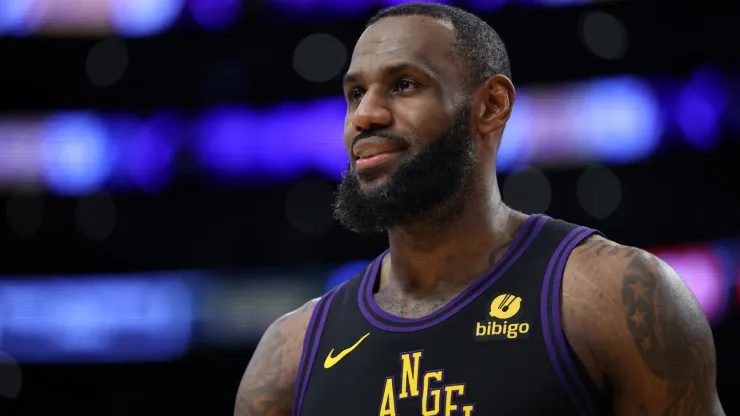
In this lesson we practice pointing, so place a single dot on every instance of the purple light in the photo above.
(320, 132)
(610, 120)
(389, 3)
(216, 14)
(702, 271)
(281, 143)
(486, 6)
(313, 9)
(514, 151)
(225, 137)
(699, 108)
(558, 3)
(285, 147)
(150, 152)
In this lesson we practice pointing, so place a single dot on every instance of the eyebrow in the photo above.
(428, 68)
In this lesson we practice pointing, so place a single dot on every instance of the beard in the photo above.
(430, 188)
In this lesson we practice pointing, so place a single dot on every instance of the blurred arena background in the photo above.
(167, 169)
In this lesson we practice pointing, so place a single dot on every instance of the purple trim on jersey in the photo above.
(297, 393)
(374, 276)
(558, 328)
(477, 288)
(315, 346)
(585, 405)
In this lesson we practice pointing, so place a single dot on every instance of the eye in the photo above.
(355, 94)
(405, 85)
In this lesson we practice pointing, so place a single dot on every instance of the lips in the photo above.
(370, 151)
(374, 146)
(374, 152)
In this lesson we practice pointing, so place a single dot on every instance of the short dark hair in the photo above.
(477, 45)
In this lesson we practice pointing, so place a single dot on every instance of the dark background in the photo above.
(250, 244)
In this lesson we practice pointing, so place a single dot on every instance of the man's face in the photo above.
(407, 128)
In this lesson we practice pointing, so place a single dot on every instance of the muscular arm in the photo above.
(266, 388)
(645, 334)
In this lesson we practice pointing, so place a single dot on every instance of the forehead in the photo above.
(417, 39)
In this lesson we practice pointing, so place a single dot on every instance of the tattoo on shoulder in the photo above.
(676, 347)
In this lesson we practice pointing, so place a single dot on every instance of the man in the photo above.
(475, 309)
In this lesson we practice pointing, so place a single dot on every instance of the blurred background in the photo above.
(167, 169)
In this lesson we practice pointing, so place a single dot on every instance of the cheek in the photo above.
(349, 134)
(426, 122)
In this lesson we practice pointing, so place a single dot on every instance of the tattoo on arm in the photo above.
(268, 383)
(675, 344)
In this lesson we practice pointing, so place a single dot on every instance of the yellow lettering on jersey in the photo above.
(456, 389)
(430, 393)
(410, 374)
(388, 405)
(433, 401)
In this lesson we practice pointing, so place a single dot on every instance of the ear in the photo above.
(493, 102)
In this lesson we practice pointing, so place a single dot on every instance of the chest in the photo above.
(445, 372)
(411, 308)
(488, 358)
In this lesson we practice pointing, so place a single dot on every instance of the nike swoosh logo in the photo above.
(331, 361)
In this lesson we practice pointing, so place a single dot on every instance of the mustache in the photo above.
(366, 134)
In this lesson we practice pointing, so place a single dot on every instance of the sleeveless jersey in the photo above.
(498, 348)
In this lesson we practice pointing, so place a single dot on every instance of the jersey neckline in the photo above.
(388, 322)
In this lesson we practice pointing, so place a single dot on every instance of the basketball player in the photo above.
(475, 309)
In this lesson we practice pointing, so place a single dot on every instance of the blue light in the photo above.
(700, 106)
(486, 6)
(227, 137)
(14, 17)
(76, 153)
(388, 3)
(149, 152)
(281, 142)
(216, 14)
(145, 17)
(318, 133)
(563, 2)
(610, 120)
(617, 118)
(130, 318)
(513, 150)
(311, 9)
(344, 272)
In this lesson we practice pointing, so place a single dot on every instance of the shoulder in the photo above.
(629, 316)
(295, 322)
(267, 384)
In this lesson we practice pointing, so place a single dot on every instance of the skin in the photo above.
(629, 317)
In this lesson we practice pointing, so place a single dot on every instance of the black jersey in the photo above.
(498, 348)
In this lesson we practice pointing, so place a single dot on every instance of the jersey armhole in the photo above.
(311, 341)
(571, 372)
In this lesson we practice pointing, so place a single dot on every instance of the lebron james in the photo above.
(475, 309)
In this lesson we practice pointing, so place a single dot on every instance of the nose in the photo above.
(371, 113)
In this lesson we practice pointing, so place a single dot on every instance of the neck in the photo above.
(423, 257)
